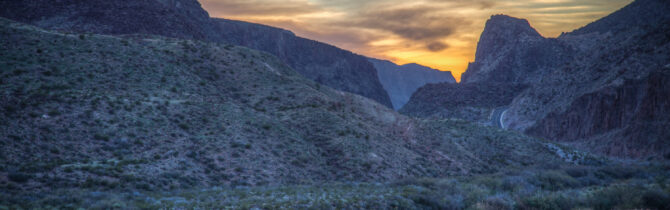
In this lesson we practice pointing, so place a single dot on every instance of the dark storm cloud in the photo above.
(437, 46)
(418, 24)
(357, 4)
(258, 7)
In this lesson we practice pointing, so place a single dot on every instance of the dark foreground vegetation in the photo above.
(623, 186)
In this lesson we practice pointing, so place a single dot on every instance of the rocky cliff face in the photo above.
(590, 87)
(186, 19)
(326, 64)
(602, 97)
(627, 119)
(511, 51)
(400, 82)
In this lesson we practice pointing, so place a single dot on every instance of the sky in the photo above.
(441, 34)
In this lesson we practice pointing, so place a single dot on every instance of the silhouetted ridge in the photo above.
(326, 64)
(401, 81)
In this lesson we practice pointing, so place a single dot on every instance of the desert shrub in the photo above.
(613, 172)
(492, 183)
(434, 201)
(554, 180)
(590, 180)
(617, 197)
(184, 126)
(656, 199)
(498, 201)
(547, 202)
(577, 172)
(517, 185)
(19, 177)
(100, 136)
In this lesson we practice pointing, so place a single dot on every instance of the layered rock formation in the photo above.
(186, 19)
(511, 51)
(401, 81)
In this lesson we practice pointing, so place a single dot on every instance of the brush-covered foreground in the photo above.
(620, 186)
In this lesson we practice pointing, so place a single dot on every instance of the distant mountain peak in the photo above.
(400, 82)
(503, 49)
(502, 32)
(509, 26)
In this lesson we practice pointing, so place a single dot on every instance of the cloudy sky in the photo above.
(442, 34)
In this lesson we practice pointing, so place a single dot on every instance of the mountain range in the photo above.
(155, 105)
(601, 87)
(155, 113)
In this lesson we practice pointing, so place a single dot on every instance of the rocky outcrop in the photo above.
(626, 119)
(511, 51)
(326, 64)
(401, 81)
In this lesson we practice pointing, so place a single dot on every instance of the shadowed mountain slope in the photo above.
(186, 19)
(320, 62)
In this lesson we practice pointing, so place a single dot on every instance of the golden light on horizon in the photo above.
(441, 34)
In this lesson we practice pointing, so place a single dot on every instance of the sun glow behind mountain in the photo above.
(442, 34)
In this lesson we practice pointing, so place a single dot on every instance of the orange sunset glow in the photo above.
(441, 34)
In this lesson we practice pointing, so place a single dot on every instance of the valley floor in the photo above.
(622, 186)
